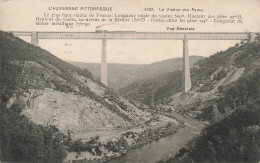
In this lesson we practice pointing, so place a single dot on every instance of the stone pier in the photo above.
(252, 37)
(104, 63)
(186, 80)
(34, 39)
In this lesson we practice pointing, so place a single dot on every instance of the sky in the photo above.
(19, 15)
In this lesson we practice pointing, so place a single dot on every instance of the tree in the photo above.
(22, 140)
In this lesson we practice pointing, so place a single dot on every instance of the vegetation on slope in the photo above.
(12, 76)
(238, 57)
(23, 141)
(234, 132)
(236, 138)
(150, 91)
(237, 94)
(40, 69)
(24, 66)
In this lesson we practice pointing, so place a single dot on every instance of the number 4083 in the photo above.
(148, 9)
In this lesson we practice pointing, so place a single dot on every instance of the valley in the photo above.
(54, 111)
(87, 120)
(121, 75)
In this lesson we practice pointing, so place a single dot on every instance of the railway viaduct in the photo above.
(131, 35)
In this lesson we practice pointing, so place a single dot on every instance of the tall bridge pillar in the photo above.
(104, 63)
(34, 39)
(252, 37)
(186, 80)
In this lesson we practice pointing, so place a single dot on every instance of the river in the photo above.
(164, 147)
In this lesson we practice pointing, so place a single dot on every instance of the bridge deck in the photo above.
(138, 35)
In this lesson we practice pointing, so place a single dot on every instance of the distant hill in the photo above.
(120, 75)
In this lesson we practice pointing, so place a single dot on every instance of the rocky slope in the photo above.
(234, 132)
(65, 111)
(120, 75)
(209, 76)
(233, 135)
(57, 93)
(225, 93)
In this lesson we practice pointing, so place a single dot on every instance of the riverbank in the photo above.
(161, 138)
(163, 148)
(106, 149)
(146, 140)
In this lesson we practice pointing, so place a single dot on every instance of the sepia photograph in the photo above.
(169, 81)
